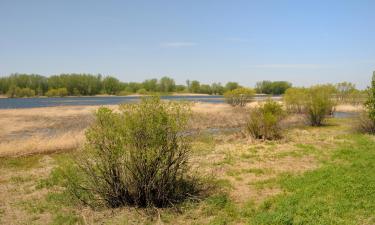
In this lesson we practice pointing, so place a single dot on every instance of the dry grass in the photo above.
(248, 171)
(51, 129)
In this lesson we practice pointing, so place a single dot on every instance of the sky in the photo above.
(304, 42)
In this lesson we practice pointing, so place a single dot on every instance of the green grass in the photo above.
(20, 163)
(340, 192)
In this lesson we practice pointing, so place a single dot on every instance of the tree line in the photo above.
(28, 85)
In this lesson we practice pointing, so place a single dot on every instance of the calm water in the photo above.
(17, 103)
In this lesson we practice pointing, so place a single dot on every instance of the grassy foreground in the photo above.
(320, 175)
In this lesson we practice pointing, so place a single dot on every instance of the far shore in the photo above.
(130, 95)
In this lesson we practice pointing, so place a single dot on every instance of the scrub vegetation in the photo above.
(165, 162)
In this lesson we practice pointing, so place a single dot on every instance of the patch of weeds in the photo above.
(256, 171)
(228, 159)
(223, 183)
(233, 172)
(264, 183)
(20, 163)
(67, 218)
(20, 179)
(203, 144)
(58, 174)
(222, 208)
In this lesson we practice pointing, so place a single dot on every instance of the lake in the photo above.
(18, 103)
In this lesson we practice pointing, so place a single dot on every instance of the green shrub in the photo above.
(366, 121)
(60, 92)
(365, 124)
(239, 96)
(123, 93)
(16, 92)
(370, 103)
(264, 121)
(295, 100)
(142, 91)
(319, 103)
(136, 157)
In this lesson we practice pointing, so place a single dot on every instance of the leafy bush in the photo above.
(137, 156)
(16, 92)
(60, 92)
(295, 99)
(142, 91)
(239, 96)
(264, 121)
(319, 103)
(366, 122)
(370, 103)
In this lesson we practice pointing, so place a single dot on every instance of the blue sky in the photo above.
(304, 42)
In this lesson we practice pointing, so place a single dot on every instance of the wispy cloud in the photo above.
(237, 39)
(290, 66)
(178, 44)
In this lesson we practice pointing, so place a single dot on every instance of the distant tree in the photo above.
(181, 88)
(150, 85)
(194, 86)
(205, 89)
(166, 84)
(217, 89)
(272, 87)
(188, 85)
(111, 85)
(344, 91)
(231, 86)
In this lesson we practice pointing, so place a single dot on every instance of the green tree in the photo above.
(150, 85)
(231, 86)
(111, 85)
(194, 86)
(166, 84)
(217, 89)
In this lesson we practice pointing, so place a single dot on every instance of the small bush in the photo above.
(319, 104)
(239, 96)
(264, 121)
(295, 100)
(136, 157)
(142, 91)
(365, 124)
(60, 92)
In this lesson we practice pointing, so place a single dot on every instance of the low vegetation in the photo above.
(239, 96)
(136, 157)
(264, 121)
(295, 100)
(319, 104)
(316, 102)
(366, 122)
